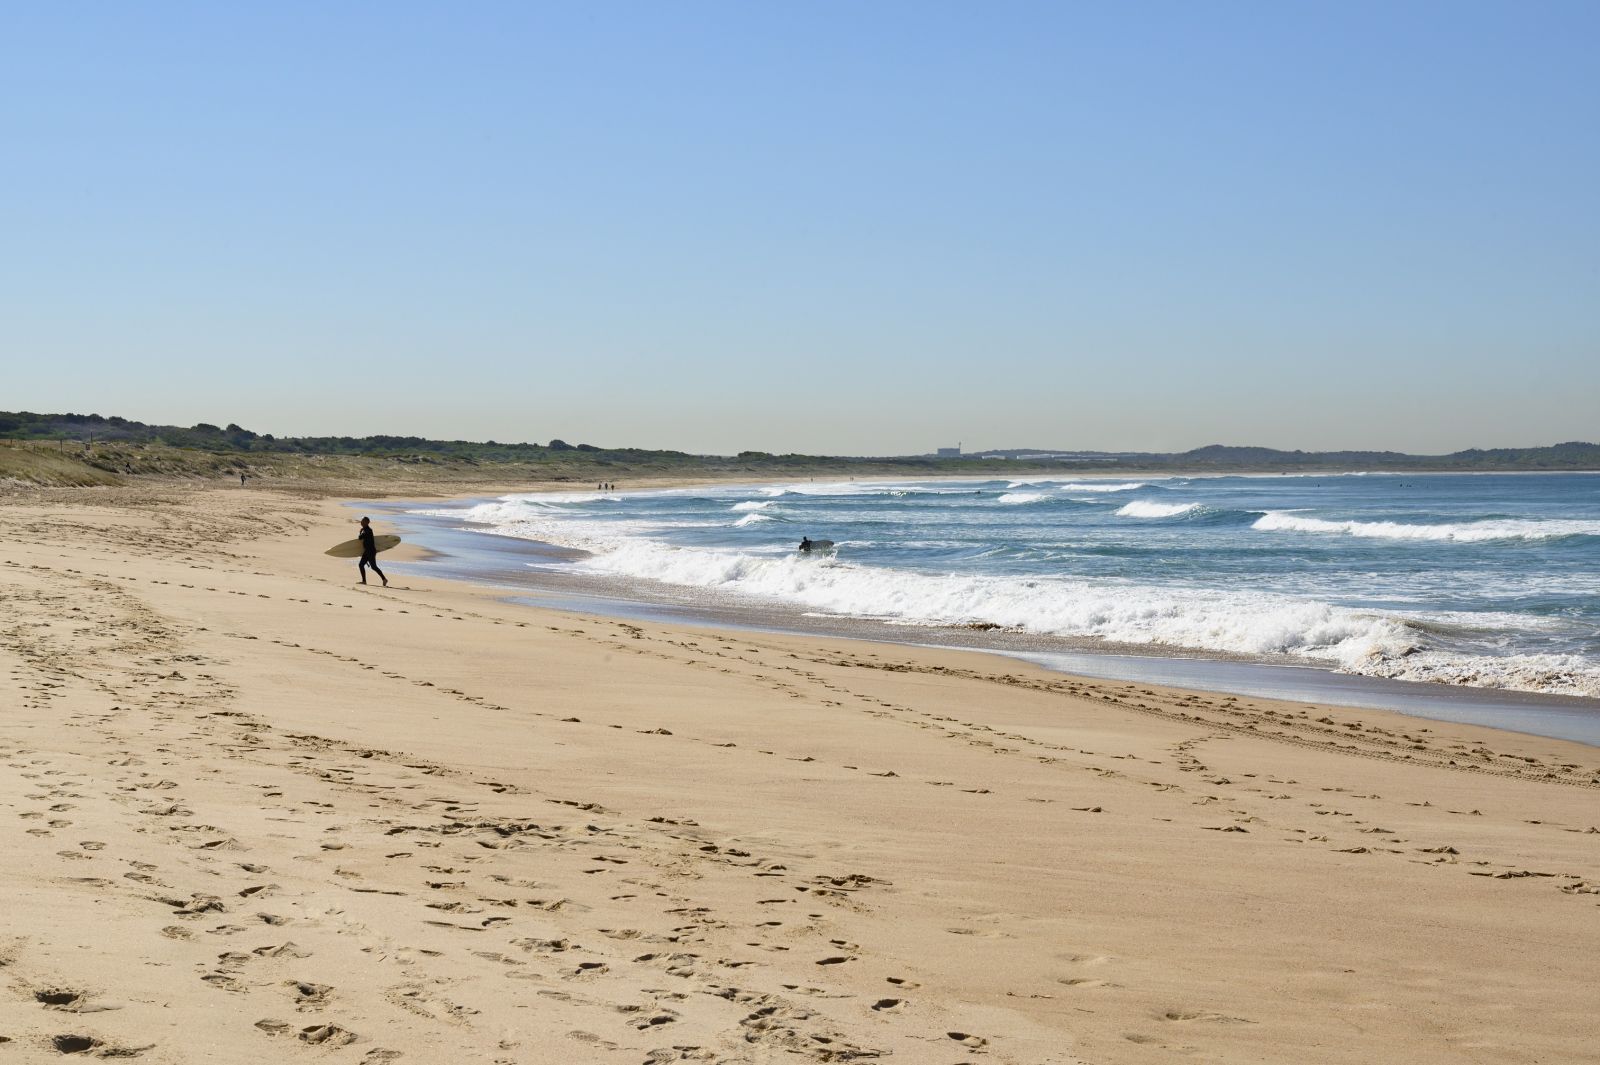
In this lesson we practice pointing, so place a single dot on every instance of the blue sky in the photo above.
(825, 227)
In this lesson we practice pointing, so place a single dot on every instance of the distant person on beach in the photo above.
(241, 480)
(369, 553)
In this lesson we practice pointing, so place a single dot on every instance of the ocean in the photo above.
(1461, 597)
(1488, 581)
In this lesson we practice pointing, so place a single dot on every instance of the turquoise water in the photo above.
(1483, 580)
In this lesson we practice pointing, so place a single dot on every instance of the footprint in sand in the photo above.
(327, 1035)
(58, 998)
(308, 994)
(223, 980)
(1084, 959)
(1203, 1015)
(86, 1044)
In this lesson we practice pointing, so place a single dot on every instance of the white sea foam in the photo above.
(1465, 531)
(1552, 674)
(847, 488)
(1140, 508)
(752, 504)
(518, 507)
(1243, 622)
(1105, 486)
(1236, 622)
(1020, 497)
(501, 512)
(1428, 646)
(1239, 622)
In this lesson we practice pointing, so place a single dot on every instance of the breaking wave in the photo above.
(1239, 622)
(1102, 486)
(1140, 508)
(1223, 579)
(1466, 531)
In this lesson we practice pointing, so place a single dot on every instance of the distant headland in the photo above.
(88, 449)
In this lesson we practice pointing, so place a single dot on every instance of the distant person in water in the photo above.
(805, 543)
(369, 553)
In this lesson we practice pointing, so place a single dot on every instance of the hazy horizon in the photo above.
(838, 230)
(965, 449)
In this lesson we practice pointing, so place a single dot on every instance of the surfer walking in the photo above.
(369, 553)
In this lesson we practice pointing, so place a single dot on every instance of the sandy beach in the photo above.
(255, 811)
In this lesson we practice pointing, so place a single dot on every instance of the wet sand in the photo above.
(256, 811)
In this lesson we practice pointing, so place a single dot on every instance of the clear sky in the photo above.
(857, 227)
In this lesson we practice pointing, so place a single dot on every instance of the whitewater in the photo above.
(1490, 581)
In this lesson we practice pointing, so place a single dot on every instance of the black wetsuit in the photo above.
(369, 556)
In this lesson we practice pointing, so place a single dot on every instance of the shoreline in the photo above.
(255, 806)
(1558, 716)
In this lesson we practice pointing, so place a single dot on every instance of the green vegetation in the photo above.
(86, 449)
(48, 467)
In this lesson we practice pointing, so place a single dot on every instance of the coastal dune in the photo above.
(258, 812)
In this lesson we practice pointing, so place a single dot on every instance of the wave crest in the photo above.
(1141, 508)
(1102, 486)
(1464, 532)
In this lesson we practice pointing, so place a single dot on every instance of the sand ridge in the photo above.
(257, 811)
